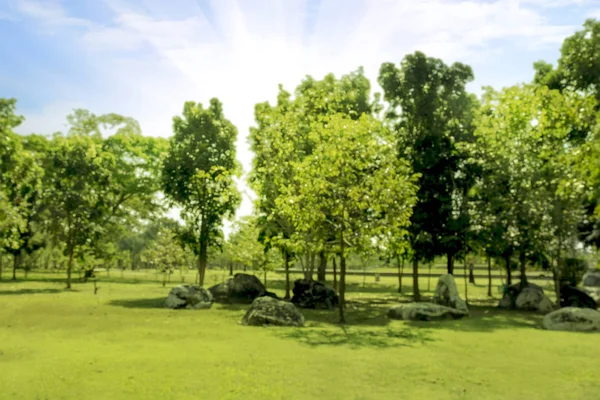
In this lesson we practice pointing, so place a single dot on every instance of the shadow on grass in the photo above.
(31, 291)
(486, 319)
(343, 335)
(157, 302)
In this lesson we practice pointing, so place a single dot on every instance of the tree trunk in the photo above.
(70, 268)
(322, 267)
(15, 266)
(489, 260)
(465, 279)
(429, 277)
(265, 277)
(287, 276)
(508, 270)
(450, 266)
(342, 291)
(202, 254)
(522, 264)
(472, 273)
(416, 293)
(230, 268)
(311, 268)
(557, 270)
(400, 271)
(335, 284)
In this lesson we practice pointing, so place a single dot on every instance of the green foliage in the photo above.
(197, 173)
(353, 182)
(78, 184)
(580, 58)
(432, 112)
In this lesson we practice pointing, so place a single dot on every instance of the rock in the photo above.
(312, 294)
(511, 293)
(269, 311)
(424, 312)
(593, 292)
(592, 278)
(446, 294)
(533, 300)
(572, 297)
(241, 289)
(188, 296)
(573, 319)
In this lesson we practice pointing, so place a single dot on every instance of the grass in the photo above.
(122, 344)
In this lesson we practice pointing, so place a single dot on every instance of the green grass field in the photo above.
(121, 344)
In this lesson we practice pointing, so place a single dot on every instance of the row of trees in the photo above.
(439, 172)
(429, 171)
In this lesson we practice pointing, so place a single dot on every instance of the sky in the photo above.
(145, 58)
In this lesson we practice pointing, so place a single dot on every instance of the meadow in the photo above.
(122, 344)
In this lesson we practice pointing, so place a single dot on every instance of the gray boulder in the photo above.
(509, 299)
(190, 297)
(269, 311)
(241, 289)
(592, 278)
(532, 299)
(573, 319)
(424, 312)
(446, 294)
(313, 294)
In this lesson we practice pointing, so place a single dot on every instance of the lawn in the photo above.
(121, 344)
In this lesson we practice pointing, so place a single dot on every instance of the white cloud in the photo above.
(152, 63)
(594, 14)
(555, 3)
(50, 15)
(52, 118)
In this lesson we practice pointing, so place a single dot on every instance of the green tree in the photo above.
(352, 181)
(531, 194)
(282, 138)
(198, 172)
(432, 112)
(77, 190)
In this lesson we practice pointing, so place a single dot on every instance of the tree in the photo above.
(77, 189)
(248, 250)
(282, 138)
(198, 172)
(20, 190)
(165, 253)
(431, 112)
(353, 182)
(530, 191)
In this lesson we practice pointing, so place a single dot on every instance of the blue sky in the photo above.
(144, 58)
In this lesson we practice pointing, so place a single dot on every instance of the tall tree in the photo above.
(353, 182)
(282, 138)
(77, 189)
(431, 111)
(198, 172)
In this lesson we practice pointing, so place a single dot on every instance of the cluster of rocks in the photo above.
(577, 313)
(265, 308)
(313, 294)
(446, 304)
(241, 289)
(528, 297)
(190, 297)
